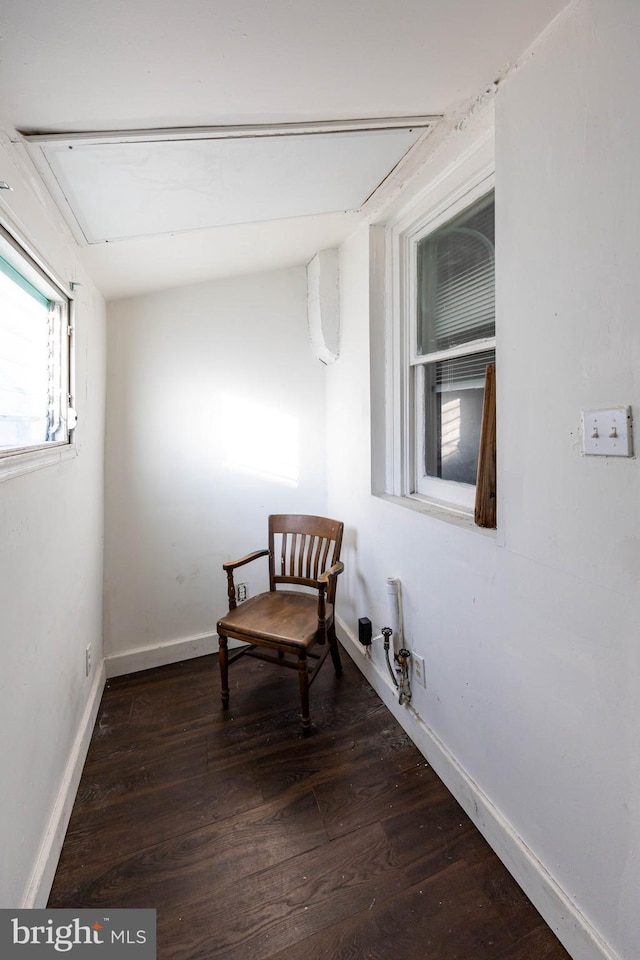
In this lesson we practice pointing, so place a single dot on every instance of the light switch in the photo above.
(607, 433)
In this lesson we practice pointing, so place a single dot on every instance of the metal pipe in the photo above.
(386, 633)
(404, 684)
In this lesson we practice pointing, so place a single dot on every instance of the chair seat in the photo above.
(281, 617)
(304, 555)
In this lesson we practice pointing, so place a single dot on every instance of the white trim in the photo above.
(37, 891)
(15, 465)
(398, 408)
(18, 239)
(38, 888)
(557, 908)
(36, 146)
(160, 654)
(451, 353)
(441, 510)
(442, 202)
(233, 132)
(24, 258)
(465, 178)
(381, 438)
(452, 493)
(451, 161)
(464, 195)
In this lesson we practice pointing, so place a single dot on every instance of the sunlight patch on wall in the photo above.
(260, 440)
(451, 419)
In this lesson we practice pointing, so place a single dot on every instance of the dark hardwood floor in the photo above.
(253, 843)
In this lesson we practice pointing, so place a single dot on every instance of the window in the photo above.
(453, 342)
(432, 333)
(35, 391)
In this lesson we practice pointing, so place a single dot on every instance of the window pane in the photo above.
(456, 298)
(454, 392)
(32, 395)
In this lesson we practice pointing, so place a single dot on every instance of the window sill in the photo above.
(21, 463)
(457, 516)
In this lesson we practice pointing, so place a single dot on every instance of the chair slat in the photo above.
(315, 553)
(301, 548)
(300, 555)
(322, 555)
(325, 553)
(311, 542)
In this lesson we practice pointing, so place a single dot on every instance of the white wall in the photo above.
(531, 638)
(199, 378)
(51, 529)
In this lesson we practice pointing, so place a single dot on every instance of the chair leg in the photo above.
(223, 655)
(303, 676)
(335, 650)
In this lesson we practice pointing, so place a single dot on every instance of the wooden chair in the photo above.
(303, 551)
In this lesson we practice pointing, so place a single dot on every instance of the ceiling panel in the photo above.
(87, 65)
(120, 190)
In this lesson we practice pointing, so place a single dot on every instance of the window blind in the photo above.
(462, 373)
(456, 281)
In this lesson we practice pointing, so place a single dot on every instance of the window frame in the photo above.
(15, 461)
(463, 494)
(456, 189)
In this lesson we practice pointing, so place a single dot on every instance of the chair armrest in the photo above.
(332, 572)
(232, 564)
(324, 582)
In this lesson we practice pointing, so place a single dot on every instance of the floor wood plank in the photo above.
(275, 909)
(255, 844)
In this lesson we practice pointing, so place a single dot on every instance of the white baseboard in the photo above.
(37, 891)
(571, 927)
(562, 915)
(160, 654)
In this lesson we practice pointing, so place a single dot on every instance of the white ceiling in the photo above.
(100, 65)
(120, 188)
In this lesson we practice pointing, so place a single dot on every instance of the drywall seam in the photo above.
(571, 927)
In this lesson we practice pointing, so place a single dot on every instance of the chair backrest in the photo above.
(302, 547)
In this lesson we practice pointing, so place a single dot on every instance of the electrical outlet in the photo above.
(241, 592)
(87, 661)
(418, 669)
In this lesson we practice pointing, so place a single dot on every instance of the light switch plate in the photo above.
(607, 433)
